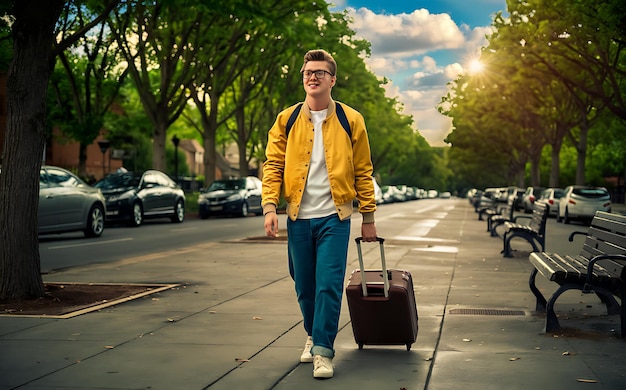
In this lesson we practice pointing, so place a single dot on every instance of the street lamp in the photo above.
(104, 145)
(176, 141)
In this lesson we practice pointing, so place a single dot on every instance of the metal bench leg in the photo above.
(612, 307)
(541, 300)
(493, 231)
(506, 252)
(552, 323)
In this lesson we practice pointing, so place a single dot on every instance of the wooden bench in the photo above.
(504, 214)
(600, 268)
(534, 232)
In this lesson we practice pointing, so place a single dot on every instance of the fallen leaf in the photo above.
(212, 312)
(257, 318)
(586, 380)
(467, 340)
(171, 320)
(566, 353)
(514, 359)
(241, 360)
(109, 347)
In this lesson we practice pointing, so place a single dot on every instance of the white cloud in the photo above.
(406, 34)
(411, 51)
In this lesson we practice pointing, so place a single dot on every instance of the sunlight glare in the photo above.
(475, 66)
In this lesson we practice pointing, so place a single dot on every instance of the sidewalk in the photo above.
(234, 323)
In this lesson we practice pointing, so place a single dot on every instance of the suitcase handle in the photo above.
(382, 259)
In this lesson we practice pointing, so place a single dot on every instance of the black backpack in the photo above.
(341, 114)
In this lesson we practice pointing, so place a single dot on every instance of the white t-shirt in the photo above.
(317, 201)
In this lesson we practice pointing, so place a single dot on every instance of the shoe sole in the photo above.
(323, 375)
(306, 359)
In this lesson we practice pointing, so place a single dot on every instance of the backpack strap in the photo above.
(341, 115)
(292, 119)
(343, 119)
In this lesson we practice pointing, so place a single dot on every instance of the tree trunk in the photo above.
(582, 154)
(535, 171)
(555, 169)
(27, 82)
(158, 145)
(210, 129)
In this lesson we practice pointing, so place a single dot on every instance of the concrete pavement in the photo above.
(233, 323)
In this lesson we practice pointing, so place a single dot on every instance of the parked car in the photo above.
(582, 202)
(516, 198)
(231, 197)
(529, 198)
(133, 196)
(68, 204)
(550, 197)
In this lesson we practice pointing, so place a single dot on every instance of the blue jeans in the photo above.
(318, 249)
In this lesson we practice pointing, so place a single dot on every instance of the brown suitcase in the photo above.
(382, 310)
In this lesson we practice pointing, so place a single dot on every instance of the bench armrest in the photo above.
(587, 287)
(571, 236)
(521, 217)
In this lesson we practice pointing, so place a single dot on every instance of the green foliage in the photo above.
(551, 73)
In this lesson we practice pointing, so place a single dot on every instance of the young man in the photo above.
(322, 167)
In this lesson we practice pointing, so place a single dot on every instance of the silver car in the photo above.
(582, 202)
(68, 204)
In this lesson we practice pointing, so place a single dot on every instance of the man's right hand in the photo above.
(271, 224)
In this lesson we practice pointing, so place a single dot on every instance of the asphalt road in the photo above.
(69, 250)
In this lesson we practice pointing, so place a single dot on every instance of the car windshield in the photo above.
(591, 192)
(119, 180)
(227, 185)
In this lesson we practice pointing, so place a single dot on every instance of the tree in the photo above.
(88, 82)
(34, 49)
(160, 42)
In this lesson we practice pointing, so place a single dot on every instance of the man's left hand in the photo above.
(368, 232)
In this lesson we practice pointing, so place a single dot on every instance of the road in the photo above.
(413, 218)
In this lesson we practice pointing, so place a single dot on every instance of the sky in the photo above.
(421, 46)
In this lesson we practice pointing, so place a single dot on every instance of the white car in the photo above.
(582, 202)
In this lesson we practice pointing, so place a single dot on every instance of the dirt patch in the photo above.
(63, 299)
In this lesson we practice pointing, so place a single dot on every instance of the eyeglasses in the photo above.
(319, 74)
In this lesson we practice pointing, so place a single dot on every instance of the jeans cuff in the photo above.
(322, 351)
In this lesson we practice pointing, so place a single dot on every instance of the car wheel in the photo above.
(95, 222)
(244, 210)
(179, 212)
(137, 216)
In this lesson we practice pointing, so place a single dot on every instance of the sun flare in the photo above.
(475, 67)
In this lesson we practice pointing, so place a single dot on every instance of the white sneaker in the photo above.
(306, 356)
(322, 367)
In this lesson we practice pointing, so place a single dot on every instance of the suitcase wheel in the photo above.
(408, 346)
(360, 345)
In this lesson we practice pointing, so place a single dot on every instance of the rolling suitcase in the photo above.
(382, 309)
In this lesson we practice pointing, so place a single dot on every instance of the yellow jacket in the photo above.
(348, 161)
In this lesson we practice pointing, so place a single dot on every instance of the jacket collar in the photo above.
(331, 109)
